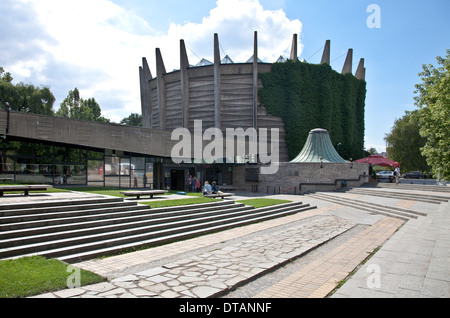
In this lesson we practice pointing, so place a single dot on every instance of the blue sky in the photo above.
(97, 45)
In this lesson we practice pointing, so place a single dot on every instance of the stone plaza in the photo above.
(303, 255)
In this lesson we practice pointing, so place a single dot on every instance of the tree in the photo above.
(76, 107)
(433, 102)
(25, 97)
(404, 144)
(5, 76)
(132, 120)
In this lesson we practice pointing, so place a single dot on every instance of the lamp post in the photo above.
(7, 117)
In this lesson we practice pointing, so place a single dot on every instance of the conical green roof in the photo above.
(318, 148)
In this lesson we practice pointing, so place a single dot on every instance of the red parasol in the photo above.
(378, 160)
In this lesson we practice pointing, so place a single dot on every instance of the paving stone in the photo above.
(127, 295)
(205, 291)
(141, 292)
(145, 283)
(188, 294)
(171, 265)
(113, 292)
(158, 288)
(191, 274)
(235, 281)
(170, 294)
(173, 283)
(217, 284)
(102, 287)
(128, 278)
(47, 295)
(188, 279)
(153, 271)
(208, 267)
(67, 293)
(159, 279)
(126, 285)
(179, 288)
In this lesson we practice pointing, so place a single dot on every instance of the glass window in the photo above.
(138, 163)
(125, 166)
(95, 170)
(112, 166)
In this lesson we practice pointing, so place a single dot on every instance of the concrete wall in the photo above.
(199, 96)
(87, 133)
(303, 177)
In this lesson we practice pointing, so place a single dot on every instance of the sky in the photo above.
(98, 45)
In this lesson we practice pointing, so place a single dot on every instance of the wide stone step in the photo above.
(83, 221)
(117, 228)
(395, 212)
(115, 236)
(436, 199)
(118, 231)
(83, 211)
(45, 234)
(53, 205)
(184, 233)
(407, 186)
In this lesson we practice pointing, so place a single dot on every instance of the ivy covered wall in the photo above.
(308, 96)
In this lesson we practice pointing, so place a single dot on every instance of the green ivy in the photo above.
(308, 96)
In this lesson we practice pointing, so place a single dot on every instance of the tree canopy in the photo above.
(132, 120)
(433, 115)
(76, 107)
(25, 97)
(404, 144)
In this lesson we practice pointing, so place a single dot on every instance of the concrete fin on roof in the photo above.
(318, 148)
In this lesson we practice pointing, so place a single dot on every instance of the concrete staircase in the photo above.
(409, 186)
(398, 194)
(395, 212)
(77, 230)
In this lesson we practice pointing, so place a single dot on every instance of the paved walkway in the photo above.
(319, 278)
(413, 260)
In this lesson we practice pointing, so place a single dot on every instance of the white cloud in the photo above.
(235, 22)
(97, 46)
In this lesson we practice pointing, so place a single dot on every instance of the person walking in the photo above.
(198, 185)
(397, 175)
(194, 184)
(188, 185)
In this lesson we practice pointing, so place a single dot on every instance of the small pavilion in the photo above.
(318, 148)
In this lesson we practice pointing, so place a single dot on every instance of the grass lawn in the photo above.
(259, 203)
(3, 183)
(112, 191)
(115, 192)
(35, 275)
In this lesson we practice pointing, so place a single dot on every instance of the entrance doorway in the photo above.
(177, 180)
